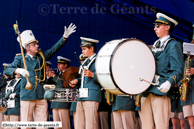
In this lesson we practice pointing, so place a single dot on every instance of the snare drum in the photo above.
(65, 95)
(121, 63)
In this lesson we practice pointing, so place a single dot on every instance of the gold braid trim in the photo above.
(43, 66)
(162, 22)
(85, 43)
(174, 78)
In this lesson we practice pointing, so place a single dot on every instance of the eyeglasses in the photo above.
(34, 44)
(157, 25)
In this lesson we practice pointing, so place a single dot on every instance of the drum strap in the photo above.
(82, 80)
(13, 87)
(163, 46)
(80, 68)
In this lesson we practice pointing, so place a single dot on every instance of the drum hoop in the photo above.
(111, 59)
(97, 61)
(65, 89)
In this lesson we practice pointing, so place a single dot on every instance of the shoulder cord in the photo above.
(43, 66)
(13, 87)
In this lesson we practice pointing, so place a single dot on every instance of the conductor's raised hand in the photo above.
(69, 30)
(88, 73)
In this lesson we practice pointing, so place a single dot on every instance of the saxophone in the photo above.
(185, 80)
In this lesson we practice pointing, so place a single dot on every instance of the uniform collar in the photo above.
(162, 40)
(30, 55)
(62, 71)
(92, 56)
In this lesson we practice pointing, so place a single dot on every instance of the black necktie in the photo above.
(61, 73)
(158, 44)
(88, 61)
(34, 57)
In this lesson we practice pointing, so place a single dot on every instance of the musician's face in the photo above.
(47, 67)
(62, 67)
(32, 48)
(161, 30)
(88, 52)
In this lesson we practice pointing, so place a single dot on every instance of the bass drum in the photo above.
(121, 63)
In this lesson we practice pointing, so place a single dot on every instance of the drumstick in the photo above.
(141, 79)
(79, 60)
(65, 80)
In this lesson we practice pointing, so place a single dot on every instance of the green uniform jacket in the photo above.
(59, 84)
(175, 100)
(169, 66)
(73, 106)
(16, 109)
(190, 94)
(37, 93)
(94, 88)
(123, 103)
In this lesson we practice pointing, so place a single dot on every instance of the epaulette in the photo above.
(18, 54)
(39, 49)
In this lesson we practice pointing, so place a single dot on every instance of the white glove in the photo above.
(12, 95)
(69, 30)
(165, 87)
(22, 71)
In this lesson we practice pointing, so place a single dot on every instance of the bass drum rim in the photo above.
(96, 62)
(111, 59)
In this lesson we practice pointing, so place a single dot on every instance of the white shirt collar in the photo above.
(62, 71)
(30, 55)
(92, 56)
(164, 39)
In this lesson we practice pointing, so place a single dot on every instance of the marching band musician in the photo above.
(61, 109)
(177, 117)
(74, 104)
(124, 112)
(32, 101)
(103, 112)
(13, 113)
(49, 80)
(155, 101)
(48, 64)
(188, 104)
(3, 84)
(90, 94)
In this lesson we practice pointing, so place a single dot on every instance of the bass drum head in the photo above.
(132, 59)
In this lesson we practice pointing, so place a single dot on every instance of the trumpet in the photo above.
(185, 80)
(28, 85)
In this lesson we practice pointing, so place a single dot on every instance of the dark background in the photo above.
(104, 20)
